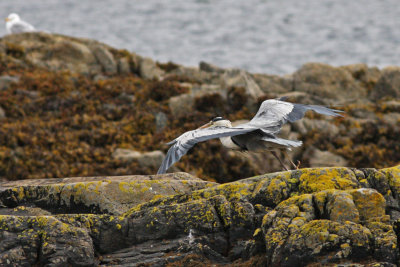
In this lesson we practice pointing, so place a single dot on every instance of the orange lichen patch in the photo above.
(318, 179)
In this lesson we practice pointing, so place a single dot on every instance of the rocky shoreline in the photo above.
(76, 107)
(318, 216)
(73, 107)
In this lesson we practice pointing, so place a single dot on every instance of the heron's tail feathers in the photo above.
(283, 142)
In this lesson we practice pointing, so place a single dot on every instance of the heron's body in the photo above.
(259, 134)
(257, 141)
(228, 143)
(15, 25)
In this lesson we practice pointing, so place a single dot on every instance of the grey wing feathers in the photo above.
(273, 113)
(299, 110)
(283, 142)
(182, 144)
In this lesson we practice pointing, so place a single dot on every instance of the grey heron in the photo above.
(259, 134)
(15, 25)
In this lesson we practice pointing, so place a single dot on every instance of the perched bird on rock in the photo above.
(15, 25)
(259, 134)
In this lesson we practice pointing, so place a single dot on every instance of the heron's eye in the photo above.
(217, 119)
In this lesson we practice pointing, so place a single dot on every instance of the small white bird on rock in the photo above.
(14, 24)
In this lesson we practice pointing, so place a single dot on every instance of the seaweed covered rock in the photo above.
(58, 52)
(328, 82)
(68, 105)
(174, 219)
(388, 84)
(329, 226)
(96, 195)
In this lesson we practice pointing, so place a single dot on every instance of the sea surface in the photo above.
(266, 36)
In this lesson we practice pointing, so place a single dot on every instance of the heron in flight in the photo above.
(15, 25)
(259, 134)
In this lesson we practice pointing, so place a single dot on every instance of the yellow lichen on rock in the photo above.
(318, 179)
(20, 192)
(274, 211)
(370, 204)
(274, 188)
(393, 176)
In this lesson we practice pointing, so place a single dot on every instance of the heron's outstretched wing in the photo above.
(299, 110)
(273, 113)
(182, 144)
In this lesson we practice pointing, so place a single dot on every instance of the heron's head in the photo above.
(12, 17)
(217, 121)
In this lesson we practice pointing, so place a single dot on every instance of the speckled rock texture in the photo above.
(306, 217)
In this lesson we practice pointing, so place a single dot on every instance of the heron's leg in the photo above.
(287, 156)
(278, 158)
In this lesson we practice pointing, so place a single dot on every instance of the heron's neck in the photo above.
(228, 143)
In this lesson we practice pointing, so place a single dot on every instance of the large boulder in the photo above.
(292, 218)
(149, 70)
(327, 82)
(59, 52)
(55, 51)
(388, 86)
(240, 78)
(147, 159)
(274, 84)
(204, 97)
(113, 195)
(318, 158)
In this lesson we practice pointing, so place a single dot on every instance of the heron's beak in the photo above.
(205, 125)
(7, 19)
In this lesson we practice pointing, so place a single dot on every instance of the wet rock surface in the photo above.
(294, 218)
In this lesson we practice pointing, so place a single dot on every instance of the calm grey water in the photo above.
(268, 36)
